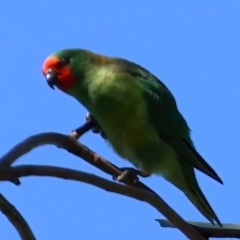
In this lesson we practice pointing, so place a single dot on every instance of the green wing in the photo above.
(168, 121)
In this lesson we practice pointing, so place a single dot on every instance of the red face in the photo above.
(58, 73)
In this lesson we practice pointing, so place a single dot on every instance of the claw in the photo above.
(127, 174)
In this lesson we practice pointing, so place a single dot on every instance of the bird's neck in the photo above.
(92, 78)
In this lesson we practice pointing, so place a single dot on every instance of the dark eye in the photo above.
(64, 62)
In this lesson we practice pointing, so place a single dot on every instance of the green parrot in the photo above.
(138, 115)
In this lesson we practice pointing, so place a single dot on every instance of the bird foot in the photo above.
(133, 173)
(90, 123)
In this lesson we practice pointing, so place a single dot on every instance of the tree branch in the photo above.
(208, 230)
(6, 173)
(78, 149)
(16, 219)
(72, 146)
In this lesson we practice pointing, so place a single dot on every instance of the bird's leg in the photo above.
(89, 118)
(90, 123)
(97, 128)
(78, 132)
(132, 173)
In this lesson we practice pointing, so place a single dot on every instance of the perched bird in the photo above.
(137, 113)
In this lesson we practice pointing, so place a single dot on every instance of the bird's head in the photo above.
(65, 68)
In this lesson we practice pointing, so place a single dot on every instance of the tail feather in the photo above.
(196, 196)
(204, 166)
(183, 177)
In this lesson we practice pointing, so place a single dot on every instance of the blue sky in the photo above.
(193, 46)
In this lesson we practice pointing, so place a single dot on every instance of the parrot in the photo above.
(138, 115)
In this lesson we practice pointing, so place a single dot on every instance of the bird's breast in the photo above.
(118, 104)
(124, 118)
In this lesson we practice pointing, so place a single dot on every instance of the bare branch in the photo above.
(133, 192)
(72, 146)
(16, 219)
(208, 230)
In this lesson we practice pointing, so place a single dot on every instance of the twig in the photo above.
(133, 192)
(71, 145)
(208, 230)
(6, 207)
(16, 219)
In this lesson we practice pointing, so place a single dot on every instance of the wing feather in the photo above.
(168, 121)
